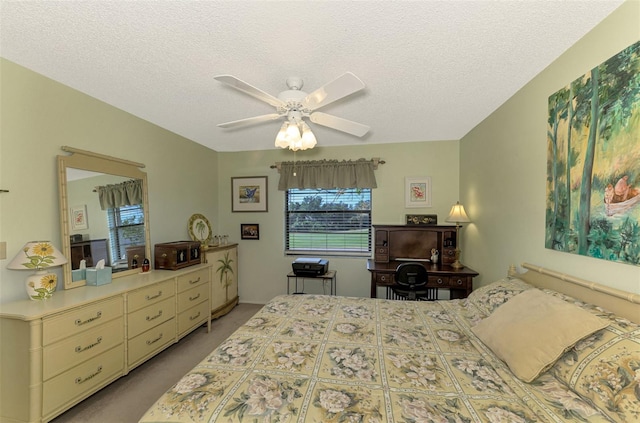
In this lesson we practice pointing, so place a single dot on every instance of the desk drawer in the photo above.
(65, 354)
(150, 295)
(79, 319)
(193, 317)
(151, 316)
(449, 281)
(82, 380)
(193, 279)
(381, 254)
(152, 340)
(384, 278)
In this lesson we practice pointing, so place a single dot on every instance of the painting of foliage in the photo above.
(593, 162)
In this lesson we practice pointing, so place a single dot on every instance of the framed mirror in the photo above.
(96, 223)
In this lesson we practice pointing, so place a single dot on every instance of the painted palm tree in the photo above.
(225, 269)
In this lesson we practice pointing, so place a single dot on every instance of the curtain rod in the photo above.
(376, 161)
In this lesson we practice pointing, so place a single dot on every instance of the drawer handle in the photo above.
(80, 380)
(383, 278)
(153, 341)
(80, 349)
(194, 317)
(89, 320)
(150, 318)
(440, 281)
(153, 297)
(194, 298)
(196, 281)
(459, 281)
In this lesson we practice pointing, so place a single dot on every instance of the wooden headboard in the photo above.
(624, 304)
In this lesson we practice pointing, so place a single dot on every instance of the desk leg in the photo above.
(374, 292)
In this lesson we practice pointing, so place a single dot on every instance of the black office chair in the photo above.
(410, 284)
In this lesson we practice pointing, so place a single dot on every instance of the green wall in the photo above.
(263, 265)
(498, 172)
(503, 164)
(38, 116)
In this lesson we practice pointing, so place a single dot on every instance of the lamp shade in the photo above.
(39, 256)
(457, 214)
(36, 255)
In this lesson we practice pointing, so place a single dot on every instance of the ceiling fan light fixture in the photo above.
(281, 138)
(290, 137)
(308, 139)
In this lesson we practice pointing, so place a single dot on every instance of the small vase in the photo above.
(41, 285)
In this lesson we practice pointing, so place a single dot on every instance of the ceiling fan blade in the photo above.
(240, 85)
(340, 87)
(340, 124)
(250, 121)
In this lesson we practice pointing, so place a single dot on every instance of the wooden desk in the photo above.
(459, 282)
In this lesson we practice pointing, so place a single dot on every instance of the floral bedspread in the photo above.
(307, 358)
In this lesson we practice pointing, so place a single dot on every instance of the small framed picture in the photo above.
(249, 194)
(422, 219)
(417, 192)
(79, 217)
(249, 231)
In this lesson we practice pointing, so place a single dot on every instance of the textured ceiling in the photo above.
(433, 69)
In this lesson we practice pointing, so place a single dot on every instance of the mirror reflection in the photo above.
(106, 220)
(104, 214)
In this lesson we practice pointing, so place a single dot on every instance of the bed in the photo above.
(313, 358)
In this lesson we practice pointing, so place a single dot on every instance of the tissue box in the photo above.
(78, 275)
(99, 276)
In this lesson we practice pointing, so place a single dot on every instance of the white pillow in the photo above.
(533, 329)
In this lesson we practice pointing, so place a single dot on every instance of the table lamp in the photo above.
(457, 215)
(38, 256)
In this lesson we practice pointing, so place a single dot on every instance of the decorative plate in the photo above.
(200, 229)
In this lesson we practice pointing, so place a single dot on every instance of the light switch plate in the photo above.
(3, 250)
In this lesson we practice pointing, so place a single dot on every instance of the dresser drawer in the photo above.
(63, 355)
(190, 298)
(79, 319)
(150, 295)
(193, 317)
(146, 343)
(193, 279)
(142, 320)
(82, 379)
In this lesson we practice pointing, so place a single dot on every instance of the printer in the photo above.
(310, 267)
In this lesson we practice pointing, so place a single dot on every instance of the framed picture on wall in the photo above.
(79, 217)
(249, 231)
(249, 194)
(417, 192)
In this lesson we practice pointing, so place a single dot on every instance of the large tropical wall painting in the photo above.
(593, 165)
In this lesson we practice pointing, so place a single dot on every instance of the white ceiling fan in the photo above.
(294, 104)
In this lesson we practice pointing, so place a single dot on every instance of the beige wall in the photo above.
(263, 265)
(38, 116)
(503, 168)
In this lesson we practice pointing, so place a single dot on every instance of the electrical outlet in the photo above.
(3, 250)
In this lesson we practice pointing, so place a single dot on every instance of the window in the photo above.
(126, 229)
(328, 221)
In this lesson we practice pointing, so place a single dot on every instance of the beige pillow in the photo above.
(532, 330)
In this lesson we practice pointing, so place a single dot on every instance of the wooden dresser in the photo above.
(55, 353)
(224, 283)
(396, 244)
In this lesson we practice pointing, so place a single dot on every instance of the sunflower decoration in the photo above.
(42, 255)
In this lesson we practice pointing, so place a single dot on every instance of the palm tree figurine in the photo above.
(224, 269)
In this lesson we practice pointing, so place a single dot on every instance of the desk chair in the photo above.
(410, 283)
